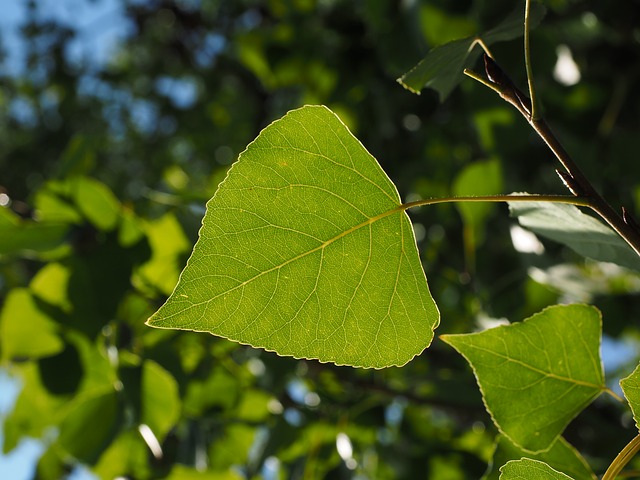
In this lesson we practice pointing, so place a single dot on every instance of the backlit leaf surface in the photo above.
(561, 457)
(537, 375)
(305, 250)
(527, 469)
(631, 388)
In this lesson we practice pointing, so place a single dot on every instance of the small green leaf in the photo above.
(305, 250)
(478, 178)
(19, 236)
(631, 389)
(561, 456)
(536, 376)
(96, 201)
(442, 68)
(25, 330)
(168, 244)
(89, 425)
(527, 469)
(584, 234)
(160, 399)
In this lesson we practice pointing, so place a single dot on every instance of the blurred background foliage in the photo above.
(105, 169)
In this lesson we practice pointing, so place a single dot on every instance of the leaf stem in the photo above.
(579, 201)
(527, 63)
(627, 453)
(585, 189)
(574, 179)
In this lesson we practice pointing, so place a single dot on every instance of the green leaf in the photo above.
(478, 178)
(631, 389)
(527, 469)
(306, 251)
(181, 472)
(89, 425)
(561, 456)
(168, 243)
(536, 376)
(584, 234)
(35, 408)
(126, 456)
(19, 236)
(442, 68)
(160, 399)
(25, 330)
(96, 201)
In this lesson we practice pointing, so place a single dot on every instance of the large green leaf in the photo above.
(536, 376)
(583, 233)
(631, 388)
(561, 456)
(305, 250)
(527, 469)
(442, 68)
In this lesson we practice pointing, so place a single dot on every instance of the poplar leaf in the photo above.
(527, 469)
(537, 375)
(631, 389)
(305, 250)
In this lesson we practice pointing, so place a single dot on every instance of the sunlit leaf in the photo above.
(35, 408)
(442, 68)
(631, 388)
(181, 472)
(160, 399)
(126, 455)
(305, 250)
(96, 201)
(537, 375)
(18, 235)
(168, 243)
(583, 233)
(527, 469)
(25, 330)
(561, 456)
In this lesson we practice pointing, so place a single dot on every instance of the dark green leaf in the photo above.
(584, 234)
(442, 68)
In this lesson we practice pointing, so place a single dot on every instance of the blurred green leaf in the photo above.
(233, 447)
(304, 251)
(78, 158)
(531, 470)
(126, 455)
(584, 234)
(442, 68)
(180, 472)
(35, 408)
(96, 201)
(160, 399)
(89, 425)
(523, 370)
(24, 236)
(631, 388)
(26, 332)
(478, 178)
(51, 283)
(168, 243)
(561, 456)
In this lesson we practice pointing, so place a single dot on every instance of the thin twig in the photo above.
(627, 453)
(527, 63)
